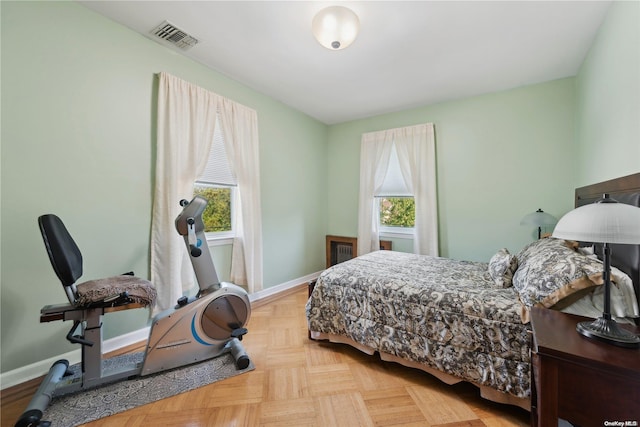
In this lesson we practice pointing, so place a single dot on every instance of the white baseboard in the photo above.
(273, 290)
(38, 369)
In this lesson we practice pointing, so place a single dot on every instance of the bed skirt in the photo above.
(486, 392)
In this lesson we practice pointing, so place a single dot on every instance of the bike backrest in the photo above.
(63, 252)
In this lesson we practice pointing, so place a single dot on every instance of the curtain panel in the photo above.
(375, 150)
(415, 146)
(240, 130)
(185, 130)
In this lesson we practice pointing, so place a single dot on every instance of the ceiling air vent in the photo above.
(171, 34)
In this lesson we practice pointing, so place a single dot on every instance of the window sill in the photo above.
(220, 240)
(397, 234)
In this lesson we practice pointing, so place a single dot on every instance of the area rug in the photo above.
(83, 407)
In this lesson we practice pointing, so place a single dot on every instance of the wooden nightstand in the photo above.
(583, 381)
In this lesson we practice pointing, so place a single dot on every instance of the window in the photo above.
(183, 144)
(396, 205)
(217, 215)
(409, 154)
(397, 213)
(218, 185)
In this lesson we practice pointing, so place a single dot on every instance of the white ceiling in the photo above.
(408, 53)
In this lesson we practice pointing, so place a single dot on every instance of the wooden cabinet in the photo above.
(586, 382)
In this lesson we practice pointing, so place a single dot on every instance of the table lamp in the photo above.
(605, 221)
(539, 219)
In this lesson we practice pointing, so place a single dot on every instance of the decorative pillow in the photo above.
(501, 268)
(550, 271)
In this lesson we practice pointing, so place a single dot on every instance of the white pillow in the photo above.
(623, 299)
(586, 250)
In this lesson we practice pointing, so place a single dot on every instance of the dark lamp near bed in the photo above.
(539, 219)
(605, 221)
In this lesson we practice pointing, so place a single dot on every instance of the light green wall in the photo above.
(608, 107)
(499, 157)
(78, 134)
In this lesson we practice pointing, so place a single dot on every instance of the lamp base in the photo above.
(607, 330)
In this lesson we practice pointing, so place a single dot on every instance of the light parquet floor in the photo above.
(299, 382)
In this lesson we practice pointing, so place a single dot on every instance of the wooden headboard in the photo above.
(625, 190)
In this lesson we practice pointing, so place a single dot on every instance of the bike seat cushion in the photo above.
(139, 290)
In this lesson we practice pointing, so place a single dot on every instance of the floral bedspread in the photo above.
(439, 312)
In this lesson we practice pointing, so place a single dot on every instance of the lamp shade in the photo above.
(605, 221)
(335, 27)
(538, 218)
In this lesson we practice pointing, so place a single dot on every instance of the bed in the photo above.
(468, 321)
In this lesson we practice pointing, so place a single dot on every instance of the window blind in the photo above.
(218, 171)
(393, 185)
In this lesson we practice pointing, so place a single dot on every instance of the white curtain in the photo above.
(415, 146)
(375, 150)
(186, 124)
(416, 150)
(240, 132)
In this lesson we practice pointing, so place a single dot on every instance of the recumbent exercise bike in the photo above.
(198, 328)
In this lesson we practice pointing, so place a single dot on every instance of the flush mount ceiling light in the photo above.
(335, 27)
